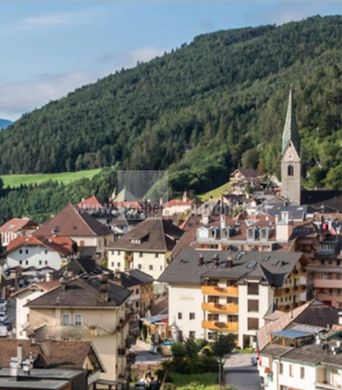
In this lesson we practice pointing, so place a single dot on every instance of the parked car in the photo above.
(254, 361)
(3, 316)
(3, 331)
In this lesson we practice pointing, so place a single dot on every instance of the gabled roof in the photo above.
(124, 196)
(16, 224)
(82, 293)
(51, 354)
(92, 202)
(42, 286)
(82, 265)
(268, 267)
(72, 223)
(153, 234)
(62, 245)
(134, 278)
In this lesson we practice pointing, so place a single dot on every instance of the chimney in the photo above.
(229, 262)
(200, 260)
(20, 353)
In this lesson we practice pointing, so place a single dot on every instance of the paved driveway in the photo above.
(240, 374)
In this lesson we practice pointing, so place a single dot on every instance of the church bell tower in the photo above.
(291, 161)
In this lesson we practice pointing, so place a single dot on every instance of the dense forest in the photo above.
(199, 111)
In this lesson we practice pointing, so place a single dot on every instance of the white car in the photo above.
(3, 316)
(3, 331)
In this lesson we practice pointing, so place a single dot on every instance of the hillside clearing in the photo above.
(216, 192)
(14, 181)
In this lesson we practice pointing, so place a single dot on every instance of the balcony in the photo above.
(221, 326)
(229, 308)
(328, 283)
(220, 291)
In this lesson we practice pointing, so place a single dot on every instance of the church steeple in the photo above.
(290, 132)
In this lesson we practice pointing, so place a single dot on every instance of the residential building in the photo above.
(89, 309)
(89, 234)
(16, 227)
(147, 247)
(141, 286)
(177, 206)
(92, 203)
(39, 252)
(44, 356)
(214, 291)
(244, 180)
(22, 297)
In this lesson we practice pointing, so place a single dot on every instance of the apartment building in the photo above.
(88, 309)
(16, 227)
(220, 291)
(147, 247)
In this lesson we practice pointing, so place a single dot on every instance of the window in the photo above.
(66, 319)
(82, 243)
(290, 370)
(78, 319)
(112, 252)
(20, 251)
(161, 267)
(150, 267)
(119, 264)
(302, 373)
(40, 262)
(253, 305)
(112, 264)
(290, 170)
(139, 266)
(26, 251)
(180, 316)
(281, 368)
(46, 262)
(253, 323)
(137, 305)
(192, 334)
(46, 252)
(20, 262)
(253, 289)
(191, 316)
(213, 299)
(141, 254)
(26, 262)
(212, 336)
(213, 317)
(119, 252)
(156, 255)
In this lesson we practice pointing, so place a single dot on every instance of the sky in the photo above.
(51, 47)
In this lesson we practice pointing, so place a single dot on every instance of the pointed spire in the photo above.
(290, 132)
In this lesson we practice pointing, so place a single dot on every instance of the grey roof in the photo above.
(296, 213)
(82, 293)
(154, 234)
(141, 276)
(267, 267)
(290, 132)
(134, 278)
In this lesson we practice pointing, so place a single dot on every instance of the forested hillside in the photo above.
(200, 110)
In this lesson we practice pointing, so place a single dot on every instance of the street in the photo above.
(240, 374)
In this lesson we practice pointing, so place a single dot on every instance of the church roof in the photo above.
(290, 132)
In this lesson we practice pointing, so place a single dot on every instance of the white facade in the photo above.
(95, 242)
(282, 374)
(22, 312)
(152, 263)
(34, 256)
(264, 299)
(185, 310)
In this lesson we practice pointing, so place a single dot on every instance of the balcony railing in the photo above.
(229, 308)
(220, 291)
(221, 326)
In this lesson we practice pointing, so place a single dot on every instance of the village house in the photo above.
(214, 291)
(39, 252)
(177, 206)
(79, 356)
(147, 247)
(90, 235)
(244, 180)
(16, 227)
(89, 309)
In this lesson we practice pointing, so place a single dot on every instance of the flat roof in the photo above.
(44, 373)
(32, 383)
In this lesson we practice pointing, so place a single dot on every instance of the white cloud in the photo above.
(51, 20)
(19, 97)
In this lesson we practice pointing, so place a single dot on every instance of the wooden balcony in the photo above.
(220, 291)
(229, 308)
(221, 326)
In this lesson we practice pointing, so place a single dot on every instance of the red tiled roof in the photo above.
(92, 202)
(63, 245)
(71, 222)
(16, 224)
(178, 202)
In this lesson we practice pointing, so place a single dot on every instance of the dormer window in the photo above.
(224, 233)
(290, 170)
(250, 234)
(264, 234)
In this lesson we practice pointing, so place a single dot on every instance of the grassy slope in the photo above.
(215, 193)
(14, 181)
